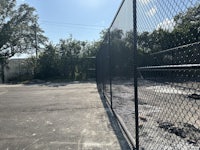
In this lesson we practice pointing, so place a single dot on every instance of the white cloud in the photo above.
(167, 24)
(152, 11)
(145, 2)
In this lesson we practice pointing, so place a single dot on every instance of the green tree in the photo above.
(17, 30)
(90, 49)
(69, 51)
(48, 63)
(187, 28)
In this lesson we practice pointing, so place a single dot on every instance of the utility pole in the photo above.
(36, 42)
(36, 49)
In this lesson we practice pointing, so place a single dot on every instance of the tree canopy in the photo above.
(18, 26)
(19, 31)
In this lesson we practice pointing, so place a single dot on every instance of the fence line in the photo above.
(148, 69)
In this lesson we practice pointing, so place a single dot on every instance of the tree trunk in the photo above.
(2, 72)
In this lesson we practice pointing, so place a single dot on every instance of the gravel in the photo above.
(168, 114)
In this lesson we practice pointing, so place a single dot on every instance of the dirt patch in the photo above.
(194, 96)
(178, 114)
(184, 130)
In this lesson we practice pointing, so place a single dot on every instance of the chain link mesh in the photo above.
(168, 46)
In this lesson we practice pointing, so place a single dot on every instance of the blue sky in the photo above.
(84, 19)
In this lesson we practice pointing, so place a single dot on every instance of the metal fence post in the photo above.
(135, 72)
(110, 72)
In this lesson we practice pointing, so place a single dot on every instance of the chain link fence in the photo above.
(168, 73)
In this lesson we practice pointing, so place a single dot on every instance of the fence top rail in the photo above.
(184, 66)
(176, 48)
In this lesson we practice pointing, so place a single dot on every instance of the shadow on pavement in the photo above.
(121, 138)
(54, 83)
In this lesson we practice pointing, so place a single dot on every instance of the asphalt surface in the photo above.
(56, 116)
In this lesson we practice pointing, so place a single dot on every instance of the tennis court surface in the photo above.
(56, 116)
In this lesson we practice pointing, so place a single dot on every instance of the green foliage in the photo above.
(17, 34)
(70, 59)
(48, 65)
(17, 30)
